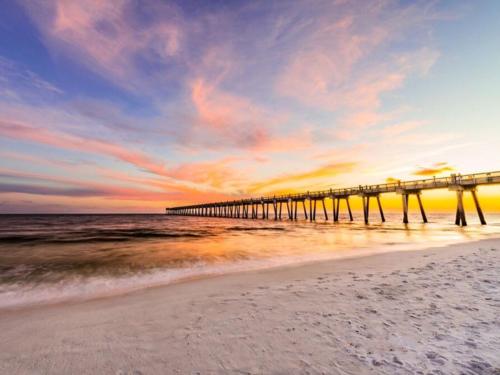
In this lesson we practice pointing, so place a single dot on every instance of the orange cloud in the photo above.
(216, 174)
(436, 169)
(323, 172)
(153, 190)
(391, 180)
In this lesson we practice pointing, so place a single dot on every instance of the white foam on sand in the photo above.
(75, 287)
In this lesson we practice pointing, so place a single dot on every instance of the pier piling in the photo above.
(382, 217)
(478, 207)
(249, 208)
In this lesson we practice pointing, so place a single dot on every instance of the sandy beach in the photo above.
(429, 311)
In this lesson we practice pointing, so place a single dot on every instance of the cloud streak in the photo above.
(284, 182)
(107, 37)
(436, 169)
(68, 142)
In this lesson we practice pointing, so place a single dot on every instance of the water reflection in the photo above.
(91, 253)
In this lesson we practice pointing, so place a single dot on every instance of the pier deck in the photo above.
(249, 208)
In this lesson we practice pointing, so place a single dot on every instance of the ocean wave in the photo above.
(93, 236)
(78, 287)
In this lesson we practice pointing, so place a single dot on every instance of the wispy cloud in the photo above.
(108, 38)
(72, 143)
(434, 170)
(17, 82)
(287, 181)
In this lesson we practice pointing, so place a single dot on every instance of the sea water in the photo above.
(56, 258)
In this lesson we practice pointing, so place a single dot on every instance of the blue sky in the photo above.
(135, 105)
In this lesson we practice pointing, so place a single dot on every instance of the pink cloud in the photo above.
(72, 143)
(153, 190)
(344, 64)
(216, 174)
(206, 176)
(231, 120)
(104, 35)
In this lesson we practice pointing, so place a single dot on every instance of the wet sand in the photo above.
(431, 311)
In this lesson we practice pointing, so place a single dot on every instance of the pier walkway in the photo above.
(255, 208)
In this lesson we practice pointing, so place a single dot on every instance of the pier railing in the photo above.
(248, 208)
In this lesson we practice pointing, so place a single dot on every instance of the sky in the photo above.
(133, 106)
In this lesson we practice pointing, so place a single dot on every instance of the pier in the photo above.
(287, 206)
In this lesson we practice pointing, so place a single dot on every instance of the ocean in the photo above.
(57, 258)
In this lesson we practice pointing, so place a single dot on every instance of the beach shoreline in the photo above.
(396, 312)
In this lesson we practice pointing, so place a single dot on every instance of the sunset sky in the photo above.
(132, 106)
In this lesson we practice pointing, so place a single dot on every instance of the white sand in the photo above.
(435, 311)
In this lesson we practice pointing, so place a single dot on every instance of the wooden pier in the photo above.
(255, 208)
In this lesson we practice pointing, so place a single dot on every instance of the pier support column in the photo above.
(382, 217)
(333, 208)
(324, 209)
(310, 210)
(478, 207)
(460, 216)
(337, 210)
(279, 213)
(275, 208)
(366, 207)
(405, 197)
(421, 206)
(288, 203)
(348, 208)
